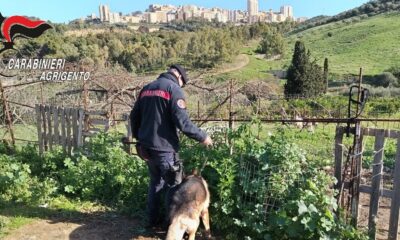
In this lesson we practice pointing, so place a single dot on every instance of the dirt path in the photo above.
(383, 215)
(100, 228)
(106, 226)
(240, 61)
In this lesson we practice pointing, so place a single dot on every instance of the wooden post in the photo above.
(360, 77)
(81, 115)
(129, 133)
(339, 157)
(376, 182)
(63, 130)
(230, 104)
(357, 168)
(41, 93)
(86, 106)
(6, 110)
(68, 123)
(39, 128)
(356, 160)
(394, 210)
(258, 99)
(56, 126)
(49, 133)
(44, 120)
(112, 118)
(75, 128)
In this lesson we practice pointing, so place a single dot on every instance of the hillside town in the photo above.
(159, 14)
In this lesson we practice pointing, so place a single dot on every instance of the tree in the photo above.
(272, 44)
(294, 84)
(326, 74)
(304, 77)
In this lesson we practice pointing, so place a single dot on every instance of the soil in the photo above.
(383, 216)
(114, 227)
(241, 61)
(98, 227)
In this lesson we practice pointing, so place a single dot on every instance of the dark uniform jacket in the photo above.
(159, 112)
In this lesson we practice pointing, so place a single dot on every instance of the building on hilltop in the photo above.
(252, 9)
(287, 12)
(115, 17)
(159, 13)
(104, 13)
(301, 19)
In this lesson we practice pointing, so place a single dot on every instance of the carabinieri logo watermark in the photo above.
(52, 69)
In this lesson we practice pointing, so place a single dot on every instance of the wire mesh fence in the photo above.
(265, 186)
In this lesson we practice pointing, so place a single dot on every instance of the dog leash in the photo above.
(204, 163)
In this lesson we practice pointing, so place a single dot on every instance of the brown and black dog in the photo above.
(189, 202)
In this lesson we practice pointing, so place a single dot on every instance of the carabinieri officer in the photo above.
(158, 113)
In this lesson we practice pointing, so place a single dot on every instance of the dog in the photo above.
(189, 203)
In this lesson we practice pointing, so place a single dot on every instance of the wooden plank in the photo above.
(339, 157)
(39, 128)
(63, 139)
(68, 127)
(386, 193)
(394, 210)
(97, 113)
(56, 126)
(102, 122)
(376, 182)
(388, 133)
(89, 134)
(44, 119)
(355, 201)
(129, 134)
(95, 129)
(49, 132)
(75, 128)
(81, 116)
(107, 126)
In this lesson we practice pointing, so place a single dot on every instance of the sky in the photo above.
(67, 10)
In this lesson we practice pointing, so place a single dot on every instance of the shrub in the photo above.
(3, 222)
(385, 80)
(395, 70)
(303, 206)
(101, 172)
(384, 92)
(105, 172)
(18, 185)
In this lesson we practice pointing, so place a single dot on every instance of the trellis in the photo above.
(376, 189)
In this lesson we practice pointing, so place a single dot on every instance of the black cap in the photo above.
(181, 71)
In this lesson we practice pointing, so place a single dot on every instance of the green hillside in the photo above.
(372, 43)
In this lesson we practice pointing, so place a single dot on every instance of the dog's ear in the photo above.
(195, 172)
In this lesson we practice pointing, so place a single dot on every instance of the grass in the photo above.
(14, 215)
(371, 43)
(257, 69)
(25, 132)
